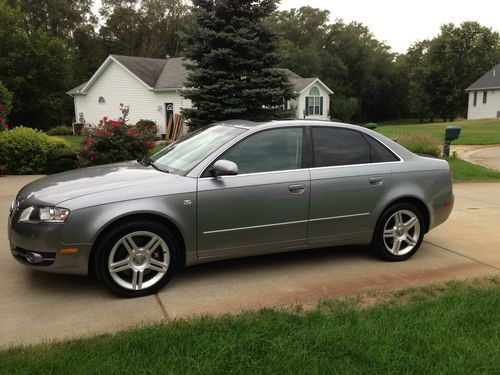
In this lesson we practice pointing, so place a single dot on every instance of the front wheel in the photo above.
(136, 259)
(399, 232)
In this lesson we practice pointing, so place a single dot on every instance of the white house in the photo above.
(151, 88)
(484, 96)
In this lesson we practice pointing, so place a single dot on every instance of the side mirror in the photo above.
(224, 168)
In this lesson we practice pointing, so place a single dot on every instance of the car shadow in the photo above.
(74, 286)
(274, 261)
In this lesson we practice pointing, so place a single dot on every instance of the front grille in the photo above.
(48, 258)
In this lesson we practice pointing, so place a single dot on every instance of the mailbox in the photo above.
(452, 133)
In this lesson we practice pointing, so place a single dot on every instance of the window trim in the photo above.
(206, 170)
(485, 97)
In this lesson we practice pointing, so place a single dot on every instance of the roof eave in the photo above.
(482, 88)
(162, 89)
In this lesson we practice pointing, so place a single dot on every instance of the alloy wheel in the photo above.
(401, 232)
(139, 260)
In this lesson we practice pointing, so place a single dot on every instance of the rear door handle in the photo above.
(296, 188)
(377, 180)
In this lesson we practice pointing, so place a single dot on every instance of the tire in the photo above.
(136, 258)
(399, 232)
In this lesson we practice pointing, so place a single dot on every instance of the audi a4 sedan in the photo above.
(231, 189)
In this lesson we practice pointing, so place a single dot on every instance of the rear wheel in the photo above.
(399, 232)
(136, 259)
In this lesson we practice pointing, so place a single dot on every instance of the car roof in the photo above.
(247, 124)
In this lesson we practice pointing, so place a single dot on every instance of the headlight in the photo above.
(44, 214)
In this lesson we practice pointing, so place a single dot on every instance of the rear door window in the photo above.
(339, 146)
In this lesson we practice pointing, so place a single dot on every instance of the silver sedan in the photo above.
(232, 189)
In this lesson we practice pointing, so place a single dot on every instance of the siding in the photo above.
(488, 110)
(117, 86)
(300, 104)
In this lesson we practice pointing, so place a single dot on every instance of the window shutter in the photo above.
(307, 106)
(321, 106)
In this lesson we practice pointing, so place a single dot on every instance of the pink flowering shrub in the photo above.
(112, 141)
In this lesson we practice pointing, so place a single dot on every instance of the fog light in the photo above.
(34, 257)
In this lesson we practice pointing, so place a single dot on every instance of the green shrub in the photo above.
(60, 130)
(147, 127)
(61, 159)
(58, 142)
(370, 125)
(344, 108)
(423, 144)
(24, 150)
(113, 141)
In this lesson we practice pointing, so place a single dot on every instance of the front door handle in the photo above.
(297, 188)
(377, 180)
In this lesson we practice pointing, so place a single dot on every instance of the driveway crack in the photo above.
(463, 255)
(162, 308)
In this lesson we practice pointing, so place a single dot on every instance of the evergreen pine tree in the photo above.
(233, 56)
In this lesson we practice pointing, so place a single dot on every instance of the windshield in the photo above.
(187, 152)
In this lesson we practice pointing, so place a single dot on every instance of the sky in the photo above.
(401, 23)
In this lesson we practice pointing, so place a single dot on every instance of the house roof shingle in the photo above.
(489, 81)
(171, 73)
(145, 68)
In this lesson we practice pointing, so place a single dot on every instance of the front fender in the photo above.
(84, 225)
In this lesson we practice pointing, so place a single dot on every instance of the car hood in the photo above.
(77, 183)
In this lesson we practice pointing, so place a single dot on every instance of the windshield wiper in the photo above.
(147, 161)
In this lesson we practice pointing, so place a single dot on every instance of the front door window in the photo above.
(271, 150)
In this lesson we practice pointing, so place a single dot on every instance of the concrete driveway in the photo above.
(36, 306)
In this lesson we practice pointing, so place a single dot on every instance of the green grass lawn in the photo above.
(447, 329)
(463, 171)
(474, 132)
(157, 148)
(74, 140)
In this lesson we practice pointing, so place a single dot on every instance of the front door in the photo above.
(169, 116)
(264, 207)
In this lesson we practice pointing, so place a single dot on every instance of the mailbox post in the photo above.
(452, 133)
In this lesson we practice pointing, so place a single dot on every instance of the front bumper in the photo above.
(45, 239)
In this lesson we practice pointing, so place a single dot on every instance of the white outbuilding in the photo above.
(484, 96)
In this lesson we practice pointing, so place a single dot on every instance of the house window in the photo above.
(485, 97)
(102, 100)
(474, 102)
(314, 103)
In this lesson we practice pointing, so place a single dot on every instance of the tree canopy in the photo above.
(50, 46)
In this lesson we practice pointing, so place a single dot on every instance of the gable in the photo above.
(114, 80)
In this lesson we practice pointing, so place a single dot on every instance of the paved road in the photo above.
(35, 306)
(486, 155)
